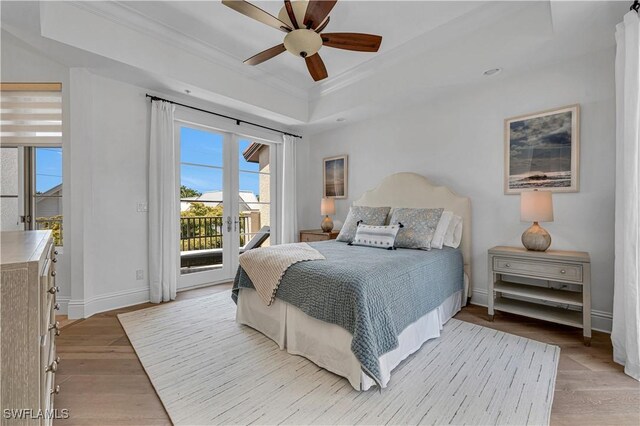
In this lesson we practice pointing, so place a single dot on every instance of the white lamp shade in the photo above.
(536, 206)
(327, 206)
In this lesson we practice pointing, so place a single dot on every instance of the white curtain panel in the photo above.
(625, 334)
(164, 206)
(289, 205)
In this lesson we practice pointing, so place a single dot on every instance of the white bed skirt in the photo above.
(329, 345)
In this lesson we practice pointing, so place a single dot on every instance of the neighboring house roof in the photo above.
(252, 153)
(56, 191)
(248, 200)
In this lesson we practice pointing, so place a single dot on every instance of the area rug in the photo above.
(207, 369)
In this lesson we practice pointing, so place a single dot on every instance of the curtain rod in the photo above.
(237, 120)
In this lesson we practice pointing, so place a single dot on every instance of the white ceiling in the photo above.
(213, 24)
(428, 48)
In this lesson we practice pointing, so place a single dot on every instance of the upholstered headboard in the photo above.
(415, 191)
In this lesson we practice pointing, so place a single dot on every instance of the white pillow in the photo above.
(453, 236)
(441, 229)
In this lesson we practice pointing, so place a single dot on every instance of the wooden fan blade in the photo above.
(265, 55)
(324, 25)
(316, 67)
(292, 16)
(317, 10)
(352, 41)
(256, 13)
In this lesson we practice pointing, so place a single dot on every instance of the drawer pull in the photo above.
(53, 273)
(562, 271)
(56, 306)
(54, 260)
(55, 326)
(55, 289)
(55, 252)
(53, 367)
(55, 390)
(507, 265)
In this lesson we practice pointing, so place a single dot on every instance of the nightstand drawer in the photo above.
(538, 269)
(307, 238)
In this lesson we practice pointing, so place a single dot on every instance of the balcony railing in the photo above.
(205, 232)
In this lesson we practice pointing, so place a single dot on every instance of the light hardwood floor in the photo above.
(103, 382)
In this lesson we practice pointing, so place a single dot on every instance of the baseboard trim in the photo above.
(106, 302)
(63, 301)
(600, 320)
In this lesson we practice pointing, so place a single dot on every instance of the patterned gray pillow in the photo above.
(368, 216)
(419, 226)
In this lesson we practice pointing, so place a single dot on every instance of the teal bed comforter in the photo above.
(372, 293)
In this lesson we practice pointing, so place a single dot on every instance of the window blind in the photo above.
(30, 114)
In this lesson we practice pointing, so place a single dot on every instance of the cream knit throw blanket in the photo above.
(266, 266)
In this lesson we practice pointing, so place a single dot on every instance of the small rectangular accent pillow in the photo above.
(419, 226)
(368, 215)
(376, 236)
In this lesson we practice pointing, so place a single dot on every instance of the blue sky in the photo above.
(205, 148)
(48, 168)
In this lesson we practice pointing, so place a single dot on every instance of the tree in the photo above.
(186, 192)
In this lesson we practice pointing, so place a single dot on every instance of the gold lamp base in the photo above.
(327, 224)
(536, 238)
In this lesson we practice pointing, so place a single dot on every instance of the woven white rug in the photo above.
(209, 370)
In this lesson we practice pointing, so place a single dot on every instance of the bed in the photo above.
(426, 287)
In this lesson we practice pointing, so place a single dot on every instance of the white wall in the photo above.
(457, 140)
(115, 171)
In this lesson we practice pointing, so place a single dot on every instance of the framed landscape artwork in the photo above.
(334, 177)
(542, 151)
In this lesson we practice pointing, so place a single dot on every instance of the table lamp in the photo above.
(536, 206)
(327, 207)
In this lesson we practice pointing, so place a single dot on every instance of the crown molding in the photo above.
(122, 14)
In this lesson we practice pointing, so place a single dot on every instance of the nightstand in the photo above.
(317, 235)
(553, 285)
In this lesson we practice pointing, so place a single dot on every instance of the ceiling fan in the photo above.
(304, 21)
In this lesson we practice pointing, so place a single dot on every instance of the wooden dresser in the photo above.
(317, 235)
(28, 360)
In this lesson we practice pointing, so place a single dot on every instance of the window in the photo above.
(47, 197)
(255, 191)
(31, 157)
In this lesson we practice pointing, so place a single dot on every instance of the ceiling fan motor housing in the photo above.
(303, 42)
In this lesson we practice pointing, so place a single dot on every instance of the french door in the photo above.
(228, 191)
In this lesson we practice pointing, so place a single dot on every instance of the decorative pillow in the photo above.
(368, 216)
(419, 226)
(454, 232)
(376, 236)
(441, 229)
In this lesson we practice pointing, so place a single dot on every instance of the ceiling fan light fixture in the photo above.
(299, 9)
(303, 43)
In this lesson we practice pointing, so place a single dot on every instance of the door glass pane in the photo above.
(47, 200)
(201, 200)
(9, 200)
(255, 194)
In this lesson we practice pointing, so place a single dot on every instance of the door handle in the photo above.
(228, 223)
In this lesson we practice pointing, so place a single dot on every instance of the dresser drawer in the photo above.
(538, 269)
(305, 238)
